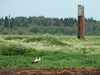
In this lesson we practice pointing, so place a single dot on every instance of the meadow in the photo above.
(55, 51)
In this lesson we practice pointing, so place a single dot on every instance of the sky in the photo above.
(49, 8)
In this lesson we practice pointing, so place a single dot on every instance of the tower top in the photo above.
(79, 5)
(80, 10)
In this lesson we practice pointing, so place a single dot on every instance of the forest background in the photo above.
(43, 25)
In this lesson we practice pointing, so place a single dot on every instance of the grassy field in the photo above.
(55, 51)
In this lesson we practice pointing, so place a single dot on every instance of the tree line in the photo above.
(41, 24)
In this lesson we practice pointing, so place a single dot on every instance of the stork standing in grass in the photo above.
(37, 60)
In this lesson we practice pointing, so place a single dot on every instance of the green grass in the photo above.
(55, 51)
(48, 39)
(50, 59)
(14, 38)
(12, 49)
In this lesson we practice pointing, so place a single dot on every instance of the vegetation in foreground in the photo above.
(66, 51)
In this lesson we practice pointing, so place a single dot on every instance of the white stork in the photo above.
(36, 60)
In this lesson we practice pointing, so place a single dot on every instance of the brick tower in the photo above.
(80, 21)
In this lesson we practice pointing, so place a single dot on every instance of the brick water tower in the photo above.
(80, 21)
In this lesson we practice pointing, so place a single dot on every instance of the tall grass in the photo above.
(50, 59)
(51, 44)
(55, 51)
(12, 49)
(14, 38)
(48, 39)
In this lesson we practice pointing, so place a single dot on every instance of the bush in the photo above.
(20, 32)
(13, 49)
(5, 31)
(34, 29)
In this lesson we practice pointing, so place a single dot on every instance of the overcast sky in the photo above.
(49, 8)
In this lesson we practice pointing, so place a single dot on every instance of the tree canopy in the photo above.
(67, 26)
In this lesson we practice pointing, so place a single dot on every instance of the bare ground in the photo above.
(49, 71)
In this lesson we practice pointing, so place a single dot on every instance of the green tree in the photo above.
(12, 23)
(5, 31)
(34, 29)
(30, 20)
(0, 22)
(20, 32)
(2, 19)
(6, 22)
(25, 24)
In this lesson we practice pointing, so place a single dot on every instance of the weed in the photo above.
(53, 52)
(12, 49)
(14, 38)
(48, 39)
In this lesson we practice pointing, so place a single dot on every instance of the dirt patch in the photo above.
(49, 71)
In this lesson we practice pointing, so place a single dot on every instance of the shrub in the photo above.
(13, 49)
(34, 29)
(20, 32)
(5, 31)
